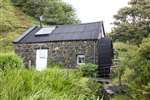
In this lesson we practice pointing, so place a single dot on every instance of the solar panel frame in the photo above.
(45, 30)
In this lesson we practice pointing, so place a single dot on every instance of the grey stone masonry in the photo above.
(62, 52)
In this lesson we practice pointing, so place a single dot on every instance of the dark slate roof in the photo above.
(87, 31)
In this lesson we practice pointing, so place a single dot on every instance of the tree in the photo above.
(132, 23)
(53, 11)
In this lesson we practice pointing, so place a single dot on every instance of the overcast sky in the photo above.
(97, 10)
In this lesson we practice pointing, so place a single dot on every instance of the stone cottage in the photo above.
(70, 45)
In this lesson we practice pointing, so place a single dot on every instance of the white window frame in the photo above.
(82, 57)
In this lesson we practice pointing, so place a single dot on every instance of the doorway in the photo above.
(41, 59)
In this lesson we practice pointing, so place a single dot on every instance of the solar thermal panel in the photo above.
(45, 31)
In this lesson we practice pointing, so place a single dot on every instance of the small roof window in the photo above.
(46, 30)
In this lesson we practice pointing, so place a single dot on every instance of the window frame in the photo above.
(82, 56)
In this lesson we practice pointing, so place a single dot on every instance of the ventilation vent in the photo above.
(45, 31)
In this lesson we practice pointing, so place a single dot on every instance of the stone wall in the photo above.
(60, 52)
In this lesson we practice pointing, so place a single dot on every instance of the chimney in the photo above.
(41, 19)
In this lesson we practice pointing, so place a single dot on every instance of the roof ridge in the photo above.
(78, 24)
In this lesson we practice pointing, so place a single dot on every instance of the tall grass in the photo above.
(53, 84)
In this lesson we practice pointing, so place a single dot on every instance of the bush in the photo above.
(138, 61)
(10, 60)
(125, 52)
(135, 68)
(144, 50)
(53, 84)
(88, 69)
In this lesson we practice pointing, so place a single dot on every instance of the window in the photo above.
(80, 59)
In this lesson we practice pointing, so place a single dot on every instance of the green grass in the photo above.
(53, 84)
(12, 23)
(121, 97)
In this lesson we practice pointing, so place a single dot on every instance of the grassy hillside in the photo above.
(12, 23)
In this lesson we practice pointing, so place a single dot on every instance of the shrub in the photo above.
(135, 68)
(10, 60)
(144, 50)
(139, 63)
(125, 52)
(88, 69)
